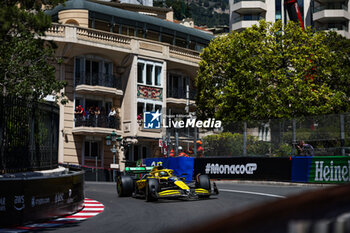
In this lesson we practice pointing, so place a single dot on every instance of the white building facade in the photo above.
(320, 14)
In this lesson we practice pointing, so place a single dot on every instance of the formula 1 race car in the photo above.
(158, 182)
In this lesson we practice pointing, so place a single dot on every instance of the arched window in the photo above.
(72, 21)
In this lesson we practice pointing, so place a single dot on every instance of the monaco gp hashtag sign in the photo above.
(250, 168)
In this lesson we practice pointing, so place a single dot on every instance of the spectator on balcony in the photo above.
(76, 111)
(97, 116)
(97, 111)
(91, 116)
(103, 117)
(111, 118)
(81, 111)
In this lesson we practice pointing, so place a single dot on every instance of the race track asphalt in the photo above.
(124, 215)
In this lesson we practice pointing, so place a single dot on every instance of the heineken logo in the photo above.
(332, 172)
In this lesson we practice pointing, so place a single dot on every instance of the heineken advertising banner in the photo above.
(330, 169)
(321, 169)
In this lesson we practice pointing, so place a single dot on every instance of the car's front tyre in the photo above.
(204, 183)
(152, 187)
(125, 186)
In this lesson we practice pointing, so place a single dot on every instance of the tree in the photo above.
(27, 61)
(267, 72)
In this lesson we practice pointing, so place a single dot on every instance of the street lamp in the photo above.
(114, 138)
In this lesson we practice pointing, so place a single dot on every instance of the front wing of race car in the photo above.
(192, 193)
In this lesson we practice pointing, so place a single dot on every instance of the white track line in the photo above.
(253, 193)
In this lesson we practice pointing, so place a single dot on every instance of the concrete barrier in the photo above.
(26, 199)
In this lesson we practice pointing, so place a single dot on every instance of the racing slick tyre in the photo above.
(204, 183)
(125, 186)
(152, 188)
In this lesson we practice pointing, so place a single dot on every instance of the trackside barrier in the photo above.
(180, 165)
(303, 213)
(247, 168)
(321, 169)
(27, 199)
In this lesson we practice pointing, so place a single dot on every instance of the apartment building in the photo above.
(116, 59)
(320, 14)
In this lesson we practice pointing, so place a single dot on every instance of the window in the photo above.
(102, 25)
(152, 35)
(167, 38)
(93, 70)
(140, 67)
(157, 75)
(148, 107)
(177, 86)
(278, 6)
(92, 149)
(149, 73)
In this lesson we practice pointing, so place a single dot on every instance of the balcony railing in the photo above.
(180, 94)
(97, 121)
(237, 1)
(335, 27)
(332, 6)
(71, 32)
(97, 79)
(248, 18)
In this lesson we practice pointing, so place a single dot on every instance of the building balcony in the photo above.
(176, 96)
(120, 43)
(100, 125)
(98, 83)
(331, 13)
(249, 6)
(240, 23)
(338, 28)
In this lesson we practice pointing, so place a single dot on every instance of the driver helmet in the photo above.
(162, 173)
(180, 148)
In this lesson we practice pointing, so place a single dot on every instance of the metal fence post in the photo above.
(294, 136)
(96, 168)
(342, 134)
(245, 138)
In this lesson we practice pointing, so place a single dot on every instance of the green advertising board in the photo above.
(329, 169)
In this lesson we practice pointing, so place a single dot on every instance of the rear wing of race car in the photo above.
(137, 170)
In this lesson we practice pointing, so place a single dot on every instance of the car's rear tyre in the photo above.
(125, 186)
(204, 183)
(152, 188)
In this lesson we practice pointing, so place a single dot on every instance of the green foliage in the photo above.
(284, 149)
(268, 72)
(202, 12)
(231, 144)
(27, 61)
